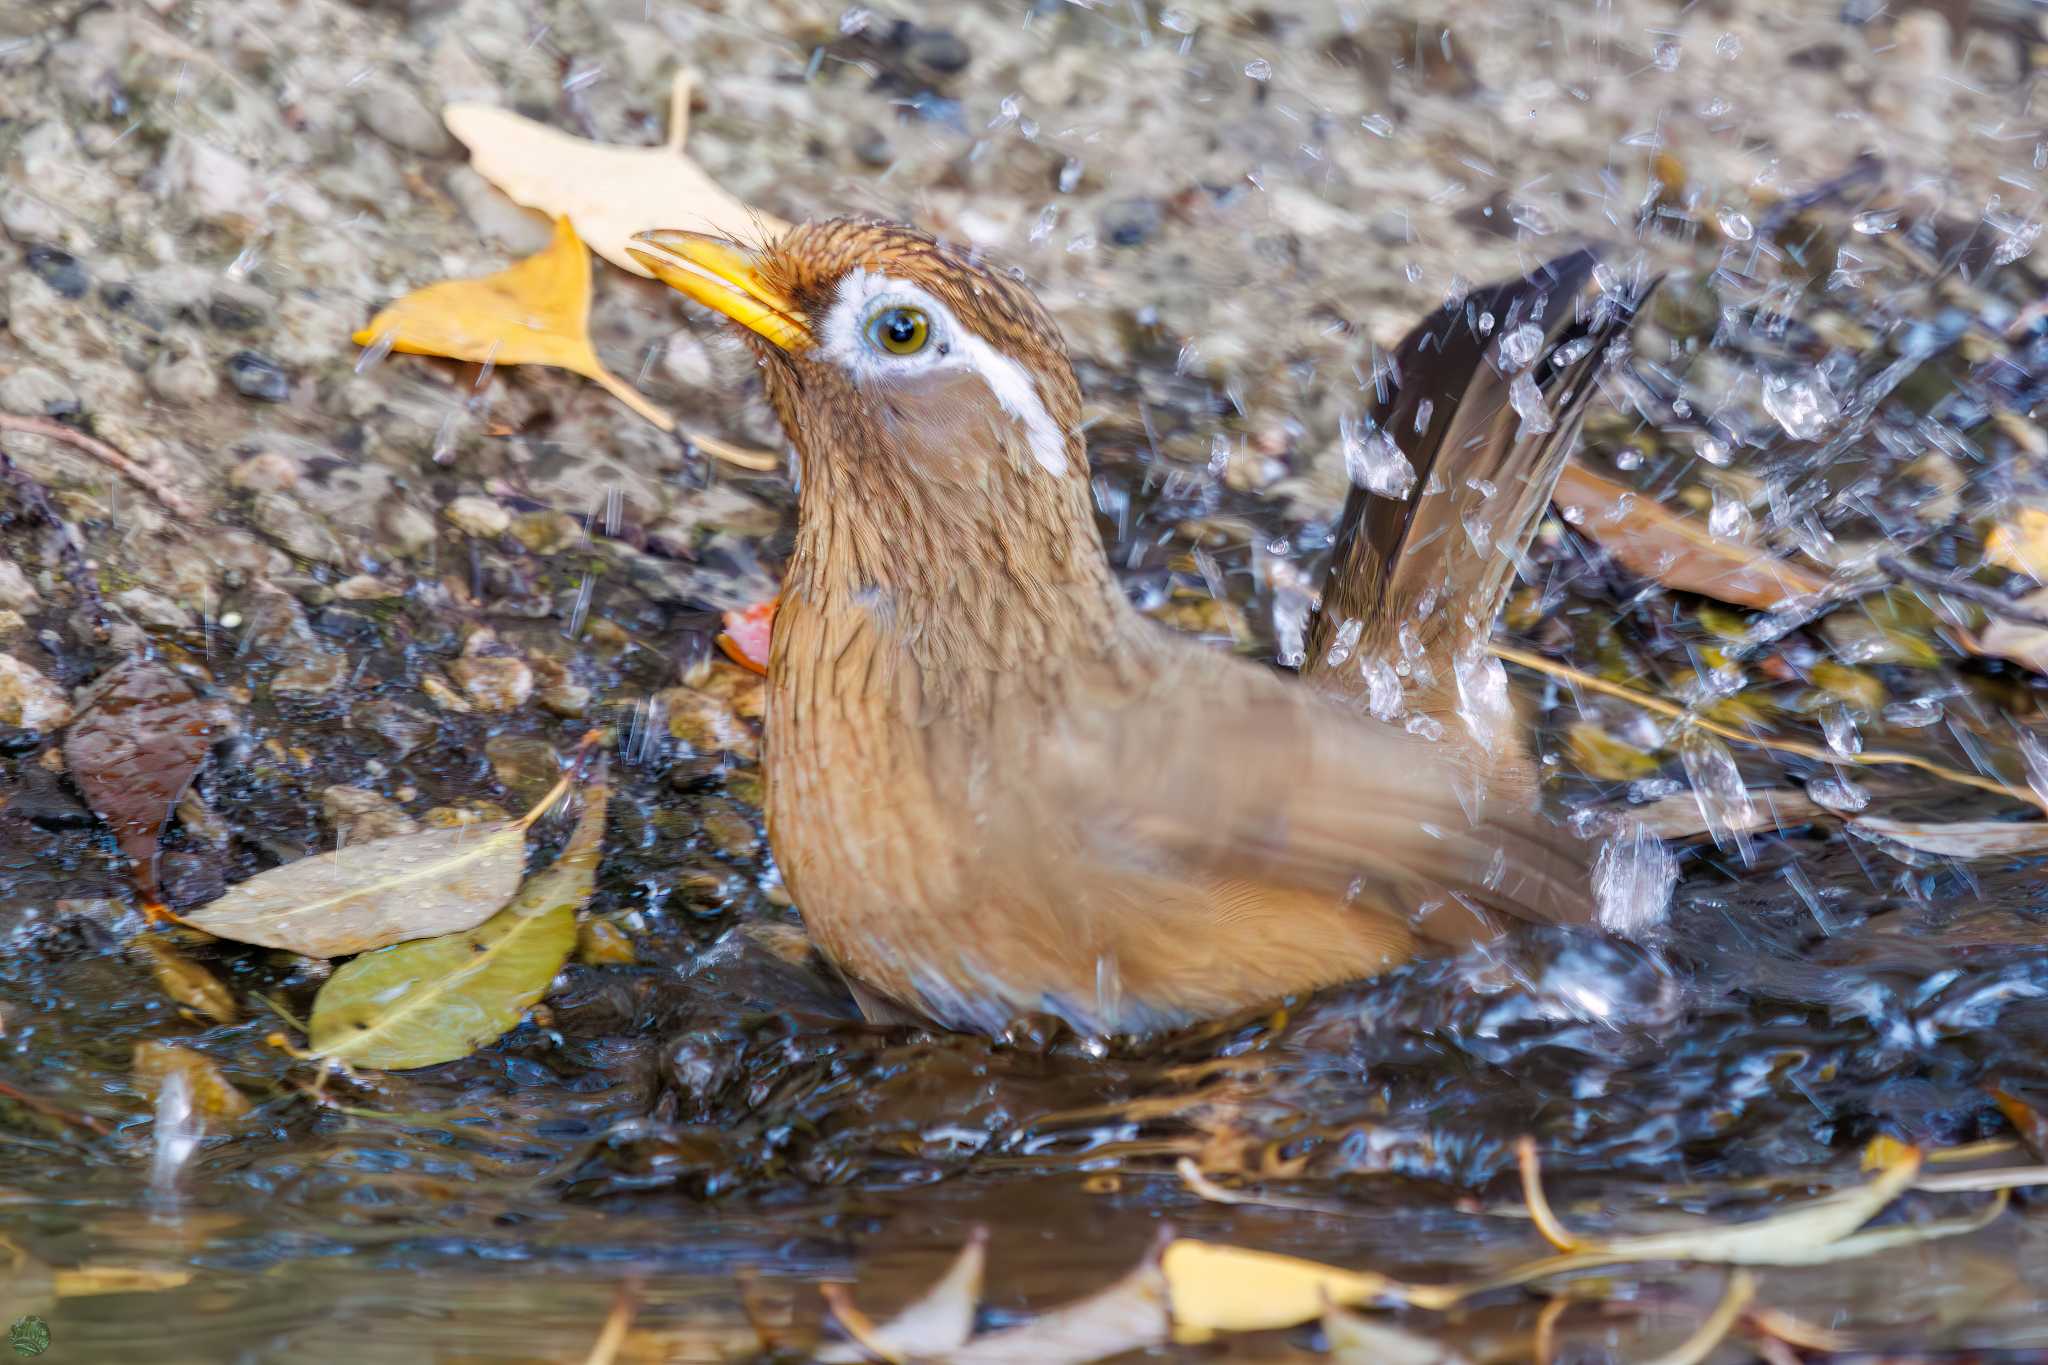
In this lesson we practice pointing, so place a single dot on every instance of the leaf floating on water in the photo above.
(1665, 547)
(1357, 1340)
(135, 750)
(1129, 1315)
(534, 313)
(420, 1004)
(214, 1097)
(1219, 1288)
(611, 191)
(354, 899)
(186, 981)
(939, 1320)
(1961, 838)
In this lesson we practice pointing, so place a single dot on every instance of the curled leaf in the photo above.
(214, 1097)
(612, 192)
(1675, 550)
(940, 1319)
(133, 752)
(534, 313)
(354, 899)
(420, 1004)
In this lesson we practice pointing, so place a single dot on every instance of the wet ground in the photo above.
(1231, 209)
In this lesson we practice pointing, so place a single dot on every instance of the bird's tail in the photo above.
(1485, 401)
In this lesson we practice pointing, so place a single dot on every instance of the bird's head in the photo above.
(884, 345)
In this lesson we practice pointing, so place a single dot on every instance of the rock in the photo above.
(547, 533)
(493, 682)
(394, 111)
(237, 306)
(265, 472)
(479, 516)
(182, 373)
(16, 592)
(520, 231)
(12, 622)
(28, 217)
(277, 630)
(60, 270)
(257, 376)
(210, 184)
(407, 528)
(938, 50)
(358, 815)
(526, 768)
(402, 727)
(293, 525)
(364, 587)
(1132, 222)
(151, 608)
(728, 829)
(29, 700)
(708, 724)
(34, 391)
(719, 507)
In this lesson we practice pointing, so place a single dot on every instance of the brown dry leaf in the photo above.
(135, 749)
(1960, 838)
(2016, 640)
(1674, 550)
(534, 313)
(1357, 1340)
(2030, 1123)
(611, 192)
(214, 1097)
(2021, 544)
(438, 881)
(186, 981)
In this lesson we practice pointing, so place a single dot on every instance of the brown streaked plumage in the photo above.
(994, 787)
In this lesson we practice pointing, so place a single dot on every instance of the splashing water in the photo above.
(1519, 346)
(1527, 401)
(176, 1137)
(1346, 641)
(1383, 695)
(1632, 880)
(1483, 698)
(1374, 462)
(1717, 786)
(1802, 405)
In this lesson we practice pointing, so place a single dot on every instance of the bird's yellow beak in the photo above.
(725, 277)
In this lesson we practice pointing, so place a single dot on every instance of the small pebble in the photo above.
(493, 683)
(940, 50)
(60, 270)
(17, 593)
(361, 815)
(1132, 222)
(478, 516)
(34, 391)
(237, 308)
(265, 472)
(257, 376)
(30, 700)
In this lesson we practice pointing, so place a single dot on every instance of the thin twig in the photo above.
(1871, 759)
(170, 497)
(1990, 599)
(55, 1111)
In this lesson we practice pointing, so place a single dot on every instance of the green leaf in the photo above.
(372, 894)
(420, 1004)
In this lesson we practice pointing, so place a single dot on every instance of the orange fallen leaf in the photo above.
(747, 633)
(1661, 545)
(534, 313)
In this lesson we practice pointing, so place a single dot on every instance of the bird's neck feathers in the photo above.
(968, 554)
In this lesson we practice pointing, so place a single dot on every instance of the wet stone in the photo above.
(60, 270)
(493, 683)
(479, 516)
(29, 700)
(1132, 222)
(257, 376)
(151, 608)
(360, 815)
(526, 768)
(294, 526)
(182, 373)
(265, 472)
(938, 50)
(238, 308)
(17, 593)
(404, 728)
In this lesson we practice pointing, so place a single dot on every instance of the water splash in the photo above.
(1633, 875)
(1802, 405)
(1373, 460)
(1718, 787)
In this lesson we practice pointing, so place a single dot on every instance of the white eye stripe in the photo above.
(843, 340)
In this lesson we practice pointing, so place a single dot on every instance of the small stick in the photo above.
(104, 453)
(1989, 599)
(55, 1111)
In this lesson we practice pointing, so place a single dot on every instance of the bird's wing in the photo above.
(1220, 771)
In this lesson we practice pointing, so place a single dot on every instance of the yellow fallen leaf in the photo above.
(2021, 544)
(1218, 1288)
(534, 313)
(610, 191)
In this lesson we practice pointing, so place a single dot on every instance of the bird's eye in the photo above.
(899, 330)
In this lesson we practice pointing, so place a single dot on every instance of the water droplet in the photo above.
(1717, 786)
(1729, 517)
(1801, 404)
(1424, 727)
(1840, 729)
(1728, 46)
(1379, 125)
(1373, 460)
(1632, 880)
(1837, 793)
(1519, 346)
(1735, 226)
(1876, 222)
(1664, 54)
(1383, 695)
(1259, 69)
(1527, 401)
(1914, 713)
(1346, 641)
